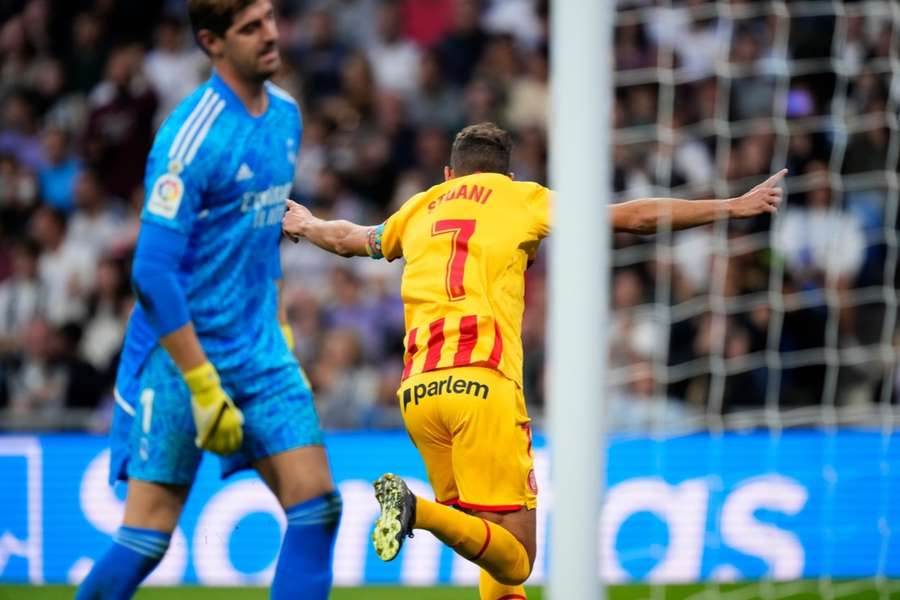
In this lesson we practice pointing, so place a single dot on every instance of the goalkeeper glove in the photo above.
(288, 334)
(217, 419)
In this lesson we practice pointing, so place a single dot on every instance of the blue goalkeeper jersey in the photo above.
(220, 176)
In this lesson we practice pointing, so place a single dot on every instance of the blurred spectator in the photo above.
(523, 19)
(174, 67)
(867, 151)
(392, 122)
(395, 60)
(84, 63)
(819, 240)
(500, 61)
(529, 160)
(696, 38)
(754, 93)
(106, 318)
(641, 408)
(19, 136)
(350, 310)
(432, 152)
(311, 160)
(93, 227)
(384, 413)
(83, 384)
(335, 200)
(355, 19)
(58, 176)
(632, 48)
(38, 386)
(461, 49)
(686, 161)
(120, 123)
(434, 103)
(15, 54)
(320, 57)
(22, 297)
(384, 85)
(66, 269)
(483, 101)
(345, 388)
(529, 96)
(823, 245)
(426, 21)
(18, 192)
(357, 94)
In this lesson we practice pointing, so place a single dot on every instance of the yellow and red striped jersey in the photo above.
(467, 243)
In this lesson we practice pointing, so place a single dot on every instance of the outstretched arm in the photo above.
(646, 215)
(338, 237)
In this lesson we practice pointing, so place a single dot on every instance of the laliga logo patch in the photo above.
(166, 196)
(532, 482)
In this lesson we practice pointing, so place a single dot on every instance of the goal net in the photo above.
(753, 363)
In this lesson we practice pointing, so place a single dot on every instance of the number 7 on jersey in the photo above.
(460, 231)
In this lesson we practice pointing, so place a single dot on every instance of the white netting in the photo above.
(772, 324)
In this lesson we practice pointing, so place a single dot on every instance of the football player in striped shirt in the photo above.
(467, 243)
(207, 362)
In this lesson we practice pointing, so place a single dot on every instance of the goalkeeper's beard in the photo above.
(257, 71)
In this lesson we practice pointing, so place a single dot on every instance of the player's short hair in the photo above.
(481, 148)
(215, 15)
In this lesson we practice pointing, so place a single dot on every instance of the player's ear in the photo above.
(210, 43)
(448, 173)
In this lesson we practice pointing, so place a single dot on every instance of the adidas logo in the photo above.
(243, 173)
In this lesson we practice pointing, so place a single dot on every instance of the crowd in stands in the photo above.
(713, 320)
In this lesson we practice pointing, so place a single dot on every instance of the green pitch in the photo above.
(860, 589)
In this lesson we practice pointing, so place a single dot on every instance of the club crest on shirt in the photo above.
(165, 198)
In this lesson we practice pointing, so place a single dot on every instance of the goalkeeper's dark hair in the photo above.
(481, 148)
(214, 15)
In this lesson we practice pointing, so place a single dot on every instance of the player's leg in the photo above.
(301, 480)
(159, 459)
(491, 589)
(491, 465)
(488, 587)
(283, 442)
(151, 514)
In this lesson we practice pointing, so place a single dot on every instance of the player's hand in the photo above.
(294, 219)
(217, 419)
(764, 198)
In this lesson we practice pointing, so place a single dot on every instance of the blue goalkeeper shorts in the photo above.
(152, 435)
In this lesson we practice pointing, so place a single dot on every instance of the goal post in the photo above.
(581, 91)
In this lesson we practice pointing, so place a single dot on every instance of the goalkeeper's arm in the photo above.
(648, 214)
(338, 237)
(158, 253)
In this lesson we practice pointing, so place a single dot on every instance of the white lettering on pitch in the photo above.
(682, 507)
(31, 548)
(780, 549)
(103, 510)
(216, 525)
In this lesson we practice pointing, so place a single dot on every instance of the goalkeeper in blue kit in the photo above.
(207, 363)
